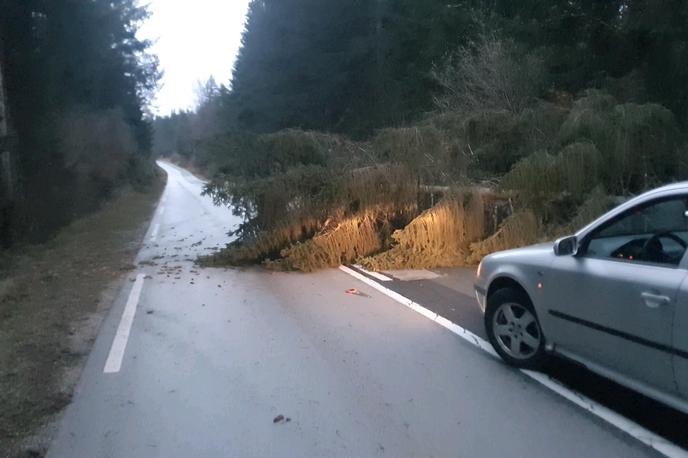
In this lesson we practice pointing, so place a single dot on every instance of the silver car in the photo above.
(613, 297)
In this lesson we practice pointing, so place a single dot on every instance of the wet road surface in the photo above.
(214, 356)
(449, 292)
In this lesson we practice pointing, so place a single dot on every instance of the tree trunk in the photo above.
(7, 171)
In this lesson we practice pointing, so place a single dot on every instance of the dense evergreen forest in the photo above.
(355, 66)
(77, 82)
(336, 107)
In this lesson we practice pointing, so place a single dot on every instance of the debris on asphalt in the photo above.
(281, 419)
(355, 292)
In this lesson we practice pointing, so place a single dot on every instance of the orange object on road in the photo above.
(355, 292)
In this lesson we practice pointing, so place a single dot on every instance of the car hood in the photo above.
(532, 251)
(522, 264)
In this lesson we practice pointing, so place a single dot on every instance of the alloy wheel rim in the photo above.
(516, 330)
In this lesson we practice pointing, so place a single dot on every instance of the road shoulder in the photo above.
(444, 298)
(53, 298)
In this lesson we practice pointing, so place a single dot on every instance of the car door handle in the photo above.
(653, 300)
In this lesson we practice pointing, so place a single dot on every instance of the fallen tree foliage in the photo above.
(314, 200)
(438, 237)
(266, 245)
(520, 229)
(341, 242)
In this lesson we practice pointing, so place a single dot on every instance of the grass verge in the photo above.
(53, 297)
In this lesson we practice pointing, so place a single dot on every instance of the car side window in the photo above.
(655, 232)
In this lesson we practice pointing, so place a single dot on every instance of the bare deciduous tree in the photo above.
(489, 73)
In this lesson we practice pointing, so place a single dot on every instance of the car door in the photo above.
(613, 303)
(680, 338)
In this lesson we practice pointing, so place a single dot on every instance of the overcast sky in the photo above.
(195, 39)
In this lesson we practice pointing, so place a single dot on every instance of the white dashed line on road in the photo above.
(626, 425)
(114, 361)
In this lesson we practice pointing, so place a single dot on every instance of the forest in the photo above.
(402, 133)
(77, 83)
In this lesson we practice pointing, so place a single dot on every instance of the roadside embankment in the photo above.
(53, 297)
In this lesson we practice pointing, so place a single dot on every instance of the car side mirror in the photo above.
(566, 246)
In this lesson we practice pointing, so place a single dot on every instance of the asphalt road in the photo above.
(213, 356)
(449, 292)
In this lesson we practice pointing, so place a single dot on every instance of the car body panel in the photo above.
(680, 339)
(593, 308)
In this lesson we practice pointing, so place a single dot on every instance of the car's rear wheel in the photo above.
(514, 330)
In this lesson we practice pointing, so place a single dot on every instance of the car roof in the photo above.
(670, 187)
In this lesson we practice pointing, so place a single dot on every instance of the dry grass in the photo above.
(51, 301)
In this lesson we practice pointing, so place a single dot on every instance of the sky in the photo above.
(194, 39)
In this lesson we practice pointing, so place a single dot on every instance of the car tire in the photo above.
(514, 330)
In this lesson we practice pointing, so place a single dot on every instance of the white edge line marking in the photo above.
(631, 428)
(455, 328)
(377, 275)
(114, 361)
(162, 210)
(154, 232)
